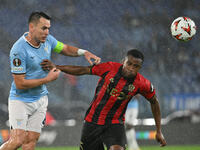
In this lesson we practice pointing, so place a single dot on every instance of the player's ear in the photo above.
(31, 27)
(122, 61)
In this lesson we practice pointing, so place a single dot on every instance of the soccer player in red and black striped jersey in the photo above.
(118, 83)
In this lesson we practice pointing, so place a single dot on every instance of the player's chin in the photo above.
(43, 40)
(128, 76)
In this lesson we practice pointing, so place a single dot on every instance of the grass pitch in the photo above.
(184, 147)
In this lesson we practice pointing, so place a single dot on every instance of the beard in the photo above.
(128, 75)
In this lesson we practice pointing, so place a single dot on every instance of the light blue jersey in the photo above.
(26, 59)
(133, 104)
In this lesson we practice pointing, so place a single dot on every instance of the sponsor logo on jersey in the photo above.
(120, 95)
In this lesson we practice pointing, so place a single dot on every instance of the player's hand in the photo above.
(160, 138)
(89, 56)
(47, 65)
(53, 74)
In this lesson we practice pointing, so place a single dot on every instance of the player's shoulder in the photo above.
(111, 65)
(108, 65)
(114, 64)
(18, 46)
(140, 78)
(20, 42)
(145, 86)
(50, 38)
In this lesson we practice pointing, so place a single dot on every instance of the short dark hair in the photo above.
(136, 53)
(35, 16)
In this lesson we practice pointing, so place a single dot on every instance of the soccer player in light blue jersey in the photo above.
(28, 95)
(131, 116)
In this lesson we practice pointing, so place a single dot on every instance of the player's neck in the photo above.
(32, 41)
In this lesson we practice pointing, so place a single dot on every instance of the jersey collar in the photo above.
(24, 37)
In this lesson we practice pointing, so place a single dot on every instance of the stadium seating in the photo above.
(115, 27)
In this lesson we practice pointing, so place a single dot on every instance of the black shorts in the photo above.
(94, 136)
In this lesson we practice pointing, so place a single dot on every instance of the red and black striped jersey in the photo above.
(113, 93)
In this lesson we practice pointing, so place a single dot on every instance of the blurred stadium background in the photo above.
(109, 28)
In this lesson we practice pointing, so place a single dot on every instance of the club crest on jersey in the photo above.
(111, 80)
(16, 62)
(131, 87)
(46, 49)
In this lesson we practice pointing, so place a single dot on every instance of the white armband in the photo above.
(81, 52)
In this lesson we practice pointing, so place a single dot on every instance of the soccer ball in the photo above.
(183, 28)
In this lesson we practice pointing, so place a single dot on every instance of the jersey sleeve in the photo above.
(17, 60)
(147, 89)
(100, 69)
(57, 46)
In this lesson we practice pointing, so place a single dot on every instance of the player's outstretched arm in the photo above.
(22, 83)
(74, 51)
(155, 108)
(73, 70)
